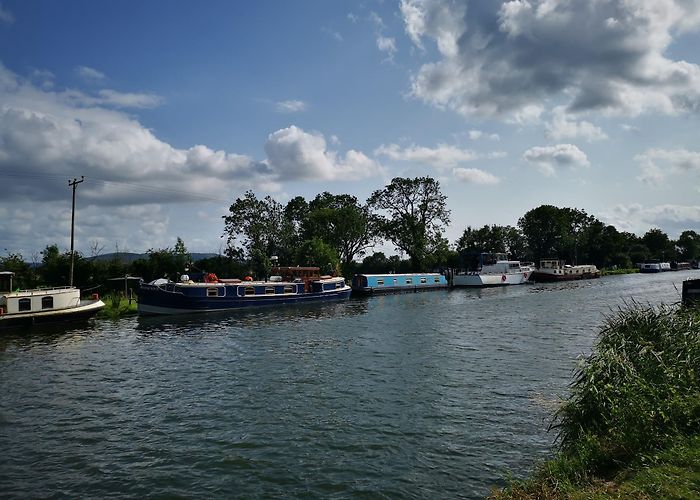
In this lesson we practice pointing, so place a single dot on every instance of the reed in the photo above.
(637, 394)
(116, 305)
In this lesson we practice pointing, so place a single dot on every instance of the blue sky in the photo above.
(171, 110)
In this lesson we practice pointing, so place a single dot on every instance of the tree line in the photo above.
(337, 232)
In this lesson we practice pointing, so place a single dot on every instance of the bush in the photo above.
(639, 388)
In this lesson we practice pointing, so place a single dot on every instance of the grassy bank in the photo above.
(631, 425)
(116, 306)
(612, 272)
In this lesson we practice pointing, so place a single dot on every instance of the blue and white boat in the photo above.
(293, 285)
(395, 283)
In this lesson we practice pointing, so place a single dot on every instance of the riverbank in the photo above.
(630, 426)
(116, 306)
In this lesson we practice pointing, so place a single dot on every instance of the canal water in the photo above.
(427, 395)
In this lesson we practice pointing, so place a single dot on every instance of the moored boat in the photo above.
(43, 305)
(558, 270)
(654, 267)
(289, 285)
(368, 284)
(493, 269)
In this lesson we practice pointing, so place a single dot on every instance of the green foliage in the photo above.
(640, 386)
(499, 239)
(342, 223)
(688, 246)
(634, 406)
(24, 277)
(315, 252)
(416, 213)
(659, 245)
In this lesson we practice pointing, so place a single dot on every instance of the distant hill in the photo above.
(128, 257)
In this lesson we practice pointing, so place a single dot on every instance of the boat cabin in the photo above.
(6, 281)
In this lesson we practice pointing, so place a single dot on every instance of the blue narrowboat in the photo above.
(291, 286)
(395, 283)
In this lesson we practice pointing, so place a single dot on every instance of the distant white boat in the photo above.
(654, 267)
(493, 269)
(558, 270)
(42, 305)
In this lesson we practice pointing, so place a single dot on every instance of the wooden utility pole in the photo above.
(73, 184)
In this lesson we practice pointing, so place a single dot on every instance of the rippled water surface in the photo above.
(427, 395)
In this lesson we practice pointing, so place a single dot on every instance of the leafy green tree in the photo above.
(24, 277)
(689, 245)
(341, 222)
(416, 213)
(659, 245)
(316, 252)
(553, 232)
(500, 239)
(257, 229)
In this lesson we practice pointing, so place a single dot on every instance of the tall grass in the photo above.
(637, 393)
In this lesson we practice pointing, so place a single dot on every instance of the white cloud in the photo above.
(387, 46)
(90, 74)
(294, 154)
(6, 16)
(638, 219)
(548, 159)
(478, 134)
(291, 106)
(475, 176)
(443, 155)
(563, 127)
(607, 55)
(46, 137)
(656, 164)
(128, 99)
(333, 34)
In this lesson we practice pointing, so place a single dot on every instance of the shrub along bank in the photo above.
(631, 425)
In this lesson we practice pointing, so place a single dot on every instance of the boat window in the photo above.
(380, 282)
(269, 290)
(249, 290)
(339, 284)
(47, 302)
(288, 289)
(437, 280)
(395, 281)
(409, 281)
(212, 292)
(424, 280)
(25, 304)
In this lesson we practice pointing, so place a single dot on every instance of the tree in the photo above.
(689, 245)
(341, 222)
(660, 247)
(416, 215)
(556, 232)
(498, 239)
(257, 229)
(24, 274)
(315, 252)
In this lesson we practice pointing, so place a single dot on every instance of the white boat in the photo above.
(493, 269)
(43, 305)
(558, 270)
(654, 267)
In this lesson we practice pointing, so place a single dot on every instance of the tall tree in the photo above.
(659, 245)
(689, 245)
(257, 230)
(494, 238)
(416, 213)
(555, 232)
(343, 223)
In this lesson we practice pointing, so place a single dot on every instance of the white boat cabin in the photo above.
(34, 300)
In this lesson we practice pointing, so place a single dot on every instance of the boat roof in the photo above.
(6, 273)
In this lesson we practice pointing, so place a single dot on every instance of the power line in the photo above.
(144, 188)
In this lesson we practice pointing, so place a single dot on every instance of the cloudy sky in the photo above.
(172, 109)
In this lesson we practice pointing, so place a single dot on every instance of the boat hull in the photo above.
(85, 310)
(540, 277)
(158, 300)
(490, 280)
